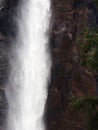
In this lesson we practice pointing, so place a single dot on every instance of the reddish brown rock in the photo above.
(68, 76)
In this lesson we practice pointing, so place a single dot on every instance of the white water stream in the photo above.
(30, 62)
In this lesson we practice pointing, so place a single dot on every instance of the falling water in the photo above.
(30, 63)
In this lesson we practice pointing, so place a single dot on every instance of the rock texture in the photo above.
(3, 79)
(69, 78)
(6, 34)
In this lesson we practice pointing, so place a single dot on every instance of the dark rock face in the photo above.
(3, 63)
(7, 20)
(92, 14)
(68, 76)
(6, 32)
(3, 79)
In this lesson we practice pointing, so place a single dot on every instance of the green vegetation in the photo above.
(88, 108)
(96, 2)
(87, 43)
(88, 46)
(89, 49)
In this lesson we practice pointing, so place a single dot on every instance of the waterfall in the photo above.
(30, 65)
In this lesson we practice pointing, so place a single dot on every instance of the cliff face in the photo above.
(3, 78)
(68, 77)
(7, 29)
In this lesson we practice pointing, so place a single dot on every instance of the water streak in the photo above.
(26, 91)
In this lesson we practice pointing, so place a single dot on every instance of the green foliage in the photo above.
(96, 2)
(88, 107)
(89, 49)
(82, 102)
